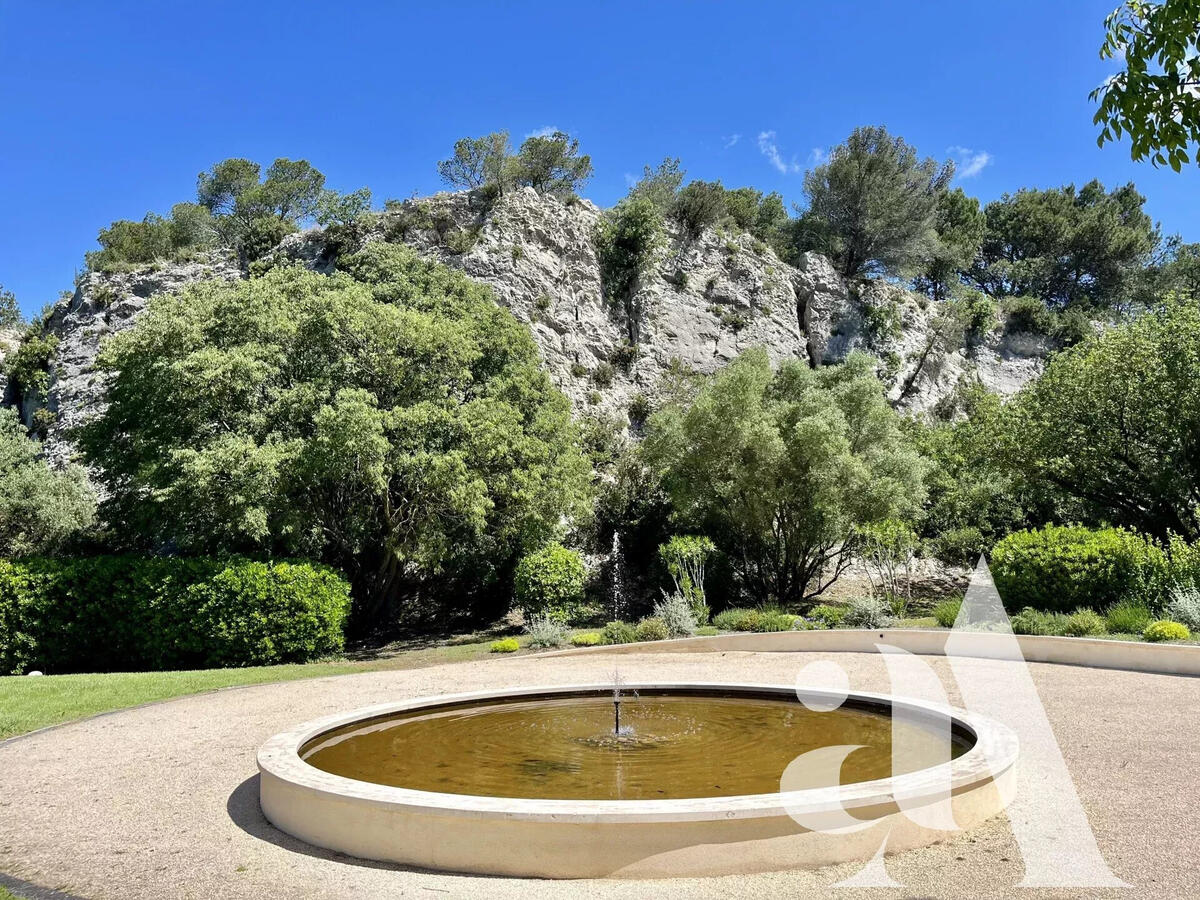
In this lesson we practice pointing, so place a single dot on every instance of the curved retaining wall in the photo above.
(1170, 659)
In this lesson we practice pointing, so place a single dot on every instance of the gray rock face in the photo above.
(706, 300)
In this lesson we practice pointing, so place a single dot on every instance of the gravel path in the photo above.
(162, 801)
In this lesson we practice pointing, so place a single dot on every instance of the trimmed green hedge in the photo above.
(1059, 569)
(129, 613)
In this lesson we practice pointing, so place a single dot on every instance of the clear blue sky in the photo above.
(110, 109)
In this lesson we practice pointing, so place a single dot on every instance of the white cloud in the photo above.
(818, 156)
(969, 163)
(544, 131)
(769, 149)
(731, 140)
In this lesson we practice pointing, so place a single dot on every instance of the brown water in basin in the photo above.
(671, 746)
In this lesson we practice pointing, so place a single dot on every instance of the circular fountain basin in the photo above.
(700, 779)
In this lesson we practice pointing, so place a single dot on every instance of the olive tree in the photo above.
(782, 468)
(389, 419)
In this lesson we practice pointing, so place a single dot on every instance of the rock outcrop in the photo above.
(708, 299)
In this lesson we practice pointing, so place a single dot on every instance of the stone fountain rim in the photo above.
(993, 754)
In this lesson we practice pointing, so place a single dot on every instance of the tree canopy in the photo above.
(391, 420)
(780, 467)
(10, 313)
(871, 207)
(1155, 99)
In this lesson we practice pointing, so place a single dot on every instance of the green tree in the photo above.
(190, 227)
(551, 164)
(780, 469)
(1155, 99)
(1113, 424)
(960, 226)
(243, 205)
(871, 207)
(390, 420)
(40, 509)
(10, 313)
(480, 162)
(698, 206)
(1067, 247)
(628, 239)
(550, 581)
(661, 185)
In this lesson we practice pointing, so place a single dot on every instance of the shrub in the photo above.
(1160, 631)
(652, 629)
(1063, 568)
(868, 612)
(1085, 623)
(698, 206)
(505, 645)
(1033, 621)
(684, 556)
(677, 614)
(737, 619)
(545, 630)
(587, 639)
(550, 581)
(946, 612)
(126, 613)
(774, 621)
(1128, 617)
(829, 616)
(603, 375)
(618, 633)
(1184, 606)
(1028, 314)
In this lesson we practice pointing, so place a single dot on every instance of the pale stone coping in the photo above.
(992, 756)
(1136, 656)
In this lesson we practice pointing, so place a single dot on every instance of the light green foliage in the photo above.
(737, 619)
(478, 163)
(27, 367)
(660, 186)
(946, 612)
(684, 555)
(780, 467)
(587, 639)
(10, 313)
(1179, 272)
(959, 225)
(699, 206)
(827, 615)
(1068, 247)
(1036, 622)
(545, 630)
(1127, 617)
(763, 216)
(868, 612)
(333, 208)
(872, 207)
(1064, 568)
(1157, 632)
(1112, 423)
(652, 629)
(628, 239)
(504, 645)
(248, 211)
(41, 509)
(391, 420)
(1085, 623)
(1153, 99)
(889, 548)
(122, 613)
(549, 581)
(675, 610)
(619, 633)
(124, 242)
(551, 164)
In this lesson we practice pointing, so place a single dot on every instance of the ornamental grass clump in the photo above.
(947, 611)
(677, 613)
(1085, 623)
(546, 631)
(1128, 617)
(619, 632)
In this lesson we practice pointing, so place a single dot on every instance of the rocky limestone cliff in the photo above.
(708, 299)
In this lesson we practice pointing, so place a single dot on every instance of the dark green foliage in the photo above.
(10, 313)
(699, 206)
(391, 420)
(27, 367)
(1066, 246)
(628, 239)
(1085, 623)
(1128, 617)
(871, 208)
(660, 186)
(1153, 99)
(478, 163)
(248, 212)
(947, 611)
(737, 619)
(126, 613)
(549, 581)
(551, 164)
(1064, 568)
(1037, 622)
(603, 375)
(124, 242)
(652, 629)
(262, 235)
(960, 225)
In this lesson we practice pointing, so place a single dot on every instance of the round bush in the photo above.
(868, 612)
(1085, 623)
(1034, 621)
(1184, 606)
(1128, 617)
(619, 633)
(774, 621)
(1162, 630)
(505, 645)
(550, 581)
(652, 629)
(829, 616)
(1060, 569)
(588, 639)
(737, 619)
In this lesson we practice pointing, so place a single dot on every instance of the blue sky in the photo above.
(109, 110)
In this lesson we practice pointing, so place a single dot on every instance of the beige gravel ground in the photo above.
(161, 802)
